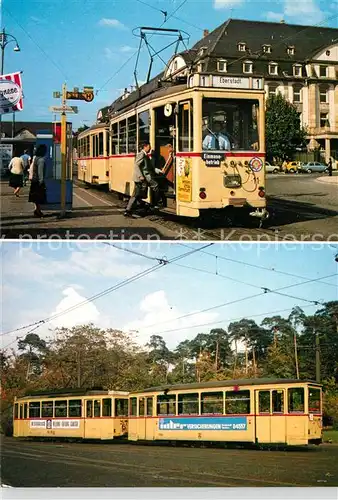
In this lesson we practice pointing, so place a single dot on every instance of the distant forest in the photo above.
(86, 356)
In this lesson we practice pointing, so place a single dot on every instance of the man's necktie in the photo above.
(216, 142)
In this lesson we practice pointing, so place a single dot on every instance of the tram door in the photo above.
(145, 420)
(164, 136)
(92, 427)
(270, 418)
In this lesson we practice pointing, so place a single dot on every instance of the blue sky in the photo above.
(85, 42)
(40, 279)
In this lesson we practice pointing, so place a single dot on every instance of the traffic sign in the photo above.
(57, 95)
(87, 95)
(63, 109)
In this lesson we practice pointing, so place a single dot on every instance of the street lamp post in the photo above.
(5, 39)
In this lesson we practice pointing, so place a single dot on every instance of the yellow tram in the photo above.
(93, 155)
(72, 414)
(216, 125)
(258, 411)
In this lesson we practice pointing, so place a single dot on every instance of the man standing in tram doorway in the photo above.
(144, 176)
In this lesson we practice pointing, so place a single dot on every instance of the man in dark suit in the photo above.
(144, 176)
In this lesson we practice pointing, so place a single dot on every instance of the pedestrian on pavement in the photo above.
(144, 173)
(37, 192)
(16, 174)
(329, 165)
(26, 164)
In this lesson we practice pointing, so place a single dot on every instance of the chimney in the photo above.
(205, 33)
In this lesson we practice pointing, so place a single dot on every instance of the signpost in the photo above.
(86, 95)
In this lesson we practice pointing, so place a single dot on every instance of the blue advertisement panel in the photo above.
(203, 424)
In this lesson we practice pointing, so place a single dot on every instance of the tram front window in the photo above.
(230, 124)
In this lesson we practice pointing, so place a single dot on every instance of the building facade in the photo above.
(300, 62)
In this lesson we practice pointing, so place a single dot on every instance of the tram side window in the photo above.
(107, 153)
(212, 402)
(75, 407)
(97, 408)
(93, 141)
(314, 400)
(185, 127)
(141, 406)
(60, 409)
(89, 409)
(264, 401)
(47, 409)
(143, 128)
(237, 402)
(123, 137)
(106, 407)
(25, 410)
(34, 410)
(188, 404)
(278, 401)
(132, 134)
(166, 404)
(296, 400)
(133, 407)
(87, 146)
(114, 140)
(100, 145)
(16, 410)
(149, 407)
(121, 407)
(230, 124)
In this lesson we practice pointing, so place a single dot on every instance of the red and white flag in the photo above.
(11, 96)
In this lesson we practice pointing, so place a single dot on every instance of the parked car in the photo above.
(271, 169)
(314, 166)
(292, 167)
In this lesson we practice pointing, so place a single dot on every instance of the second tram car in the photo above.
(93, 155)
(262, 411)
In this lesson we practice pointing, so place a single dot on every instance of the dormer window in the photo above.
(222, 65)
(247, 67)
(290, 50)
(273, 68)
(202, 51)
(267, 49)
(297, 70)
(175, 65)
(323, 71)
(201, 67)
(241, 47)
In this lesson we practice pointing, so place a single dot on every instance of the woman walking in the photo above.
(16, 168)
(37, 192)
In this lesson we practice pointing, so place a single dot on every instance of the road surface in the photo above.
(55, 464)
(301, 208)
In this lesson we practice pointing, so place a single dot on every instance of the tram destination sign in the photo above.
(237, 82)
(213, 159)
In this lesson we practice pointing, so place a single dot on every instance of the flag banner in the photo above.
(11, 97)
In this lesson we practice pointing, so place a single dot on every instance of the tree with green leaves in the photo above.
(284, 132)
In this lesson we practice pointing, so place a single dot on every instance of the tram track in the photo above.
(181, 472)
(192, 229)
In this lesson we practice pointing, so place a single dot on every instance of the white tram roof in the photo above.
(72, 393)
(226, 383)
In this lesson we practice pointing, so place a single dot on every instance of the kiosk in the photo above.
(53, 169)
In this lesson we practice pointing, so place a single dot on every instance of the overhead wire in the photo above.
(161, 263)
(134, 54)
(257, 266)
(57, 66)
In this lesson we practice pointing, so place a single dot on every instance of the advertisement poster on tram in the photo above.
(184, 179)
(203, 424)
(11, 96)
